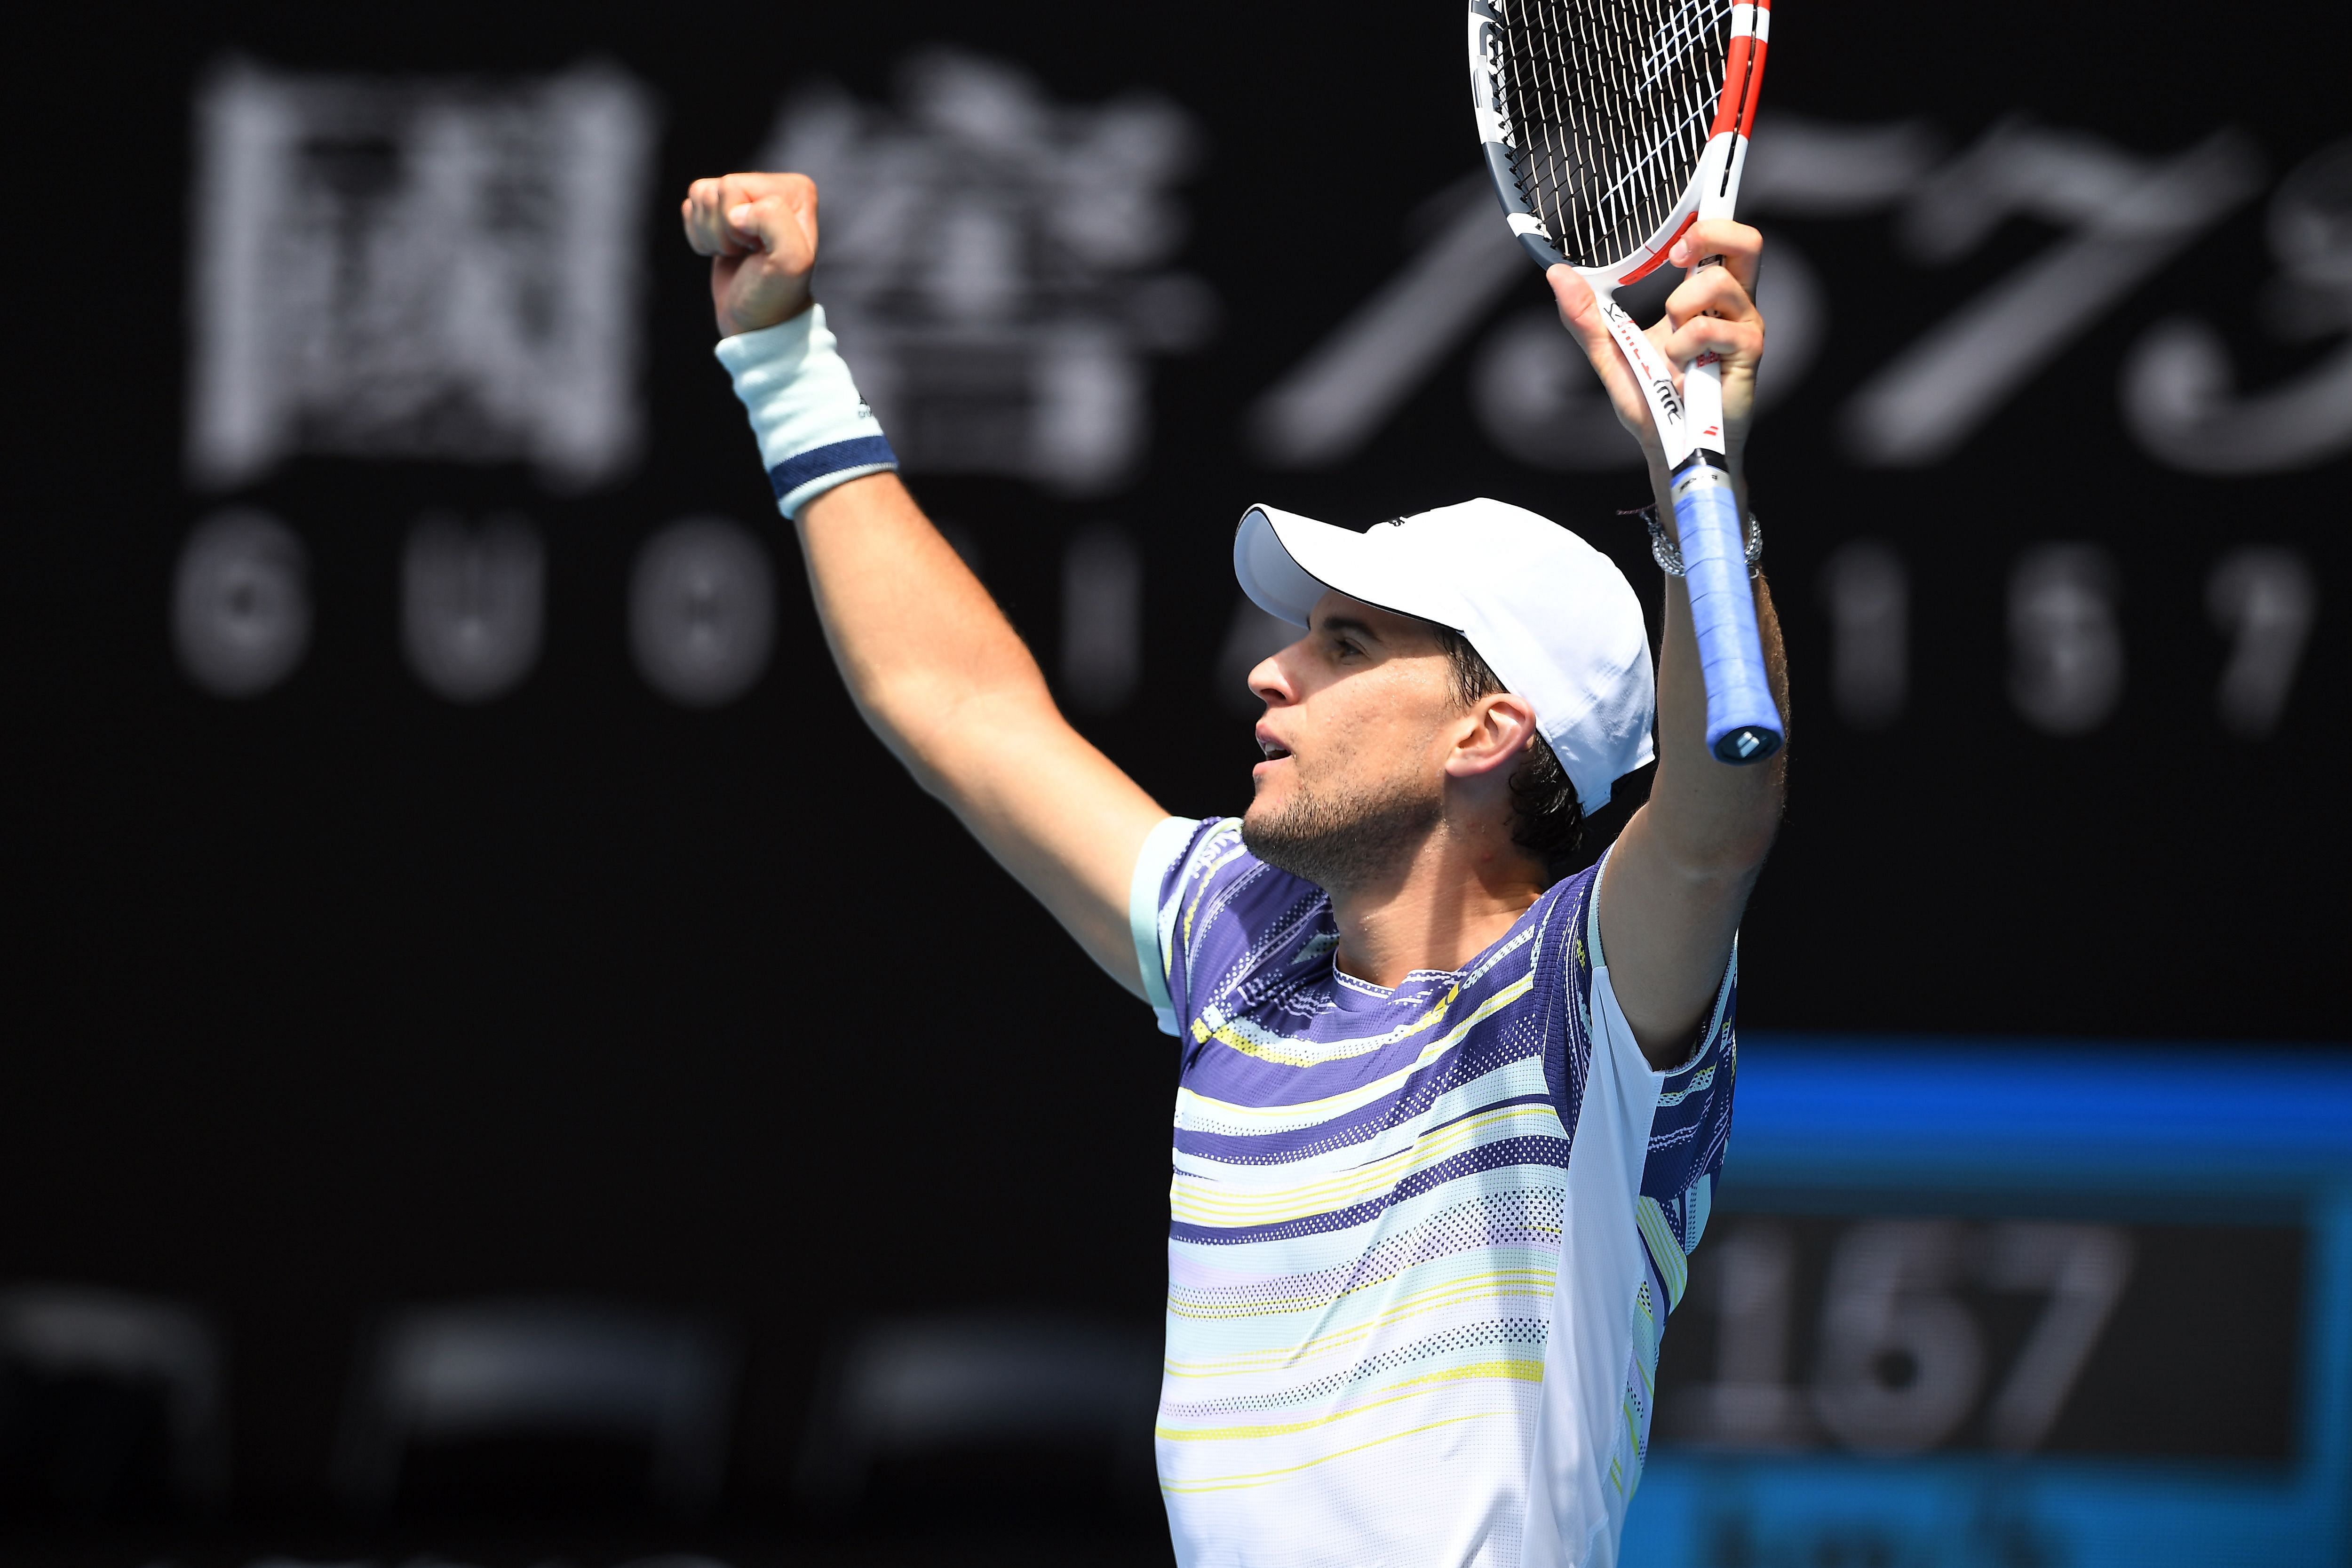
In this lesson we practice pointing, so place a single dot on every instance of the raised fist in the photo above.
(760, 232)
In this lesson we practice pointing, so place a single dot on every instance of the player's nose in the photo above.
(1270, 683)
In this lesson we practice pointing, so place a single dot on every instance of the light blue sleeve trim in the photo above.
(1162, 845)
(1592, 911)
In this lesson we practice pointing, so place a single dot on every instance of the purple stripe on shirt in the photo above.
(1528, 1151)
(1362, 1127)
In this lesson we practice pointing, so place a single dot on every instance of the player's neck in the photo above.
(1446, 902)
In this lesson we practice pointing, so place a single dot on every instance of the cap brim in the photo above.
(1285, 563)
(1266, 570)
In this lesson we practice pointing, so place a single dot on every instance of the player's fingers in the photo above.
(734, 189)
(1713, 291)
(694, 211)
(1581, 314)
(706, 224)
(1733, 341)
(778, 214)
(743, 222)
(1737, 243)
(735, 192)
(779, 226)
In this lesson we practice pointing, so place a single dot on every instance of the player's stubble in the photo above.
(1343, 835)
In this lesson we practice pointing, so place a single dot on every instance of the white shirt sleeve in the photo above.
(1161, 847)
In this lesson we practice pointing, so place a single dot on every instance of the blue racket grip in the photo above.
(1743, 725)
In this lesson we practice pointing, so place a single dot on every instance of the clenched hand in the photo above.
(760, 232)
(1713, 309)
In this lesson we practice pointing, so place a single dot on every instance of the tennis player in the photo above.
(1448, 1121)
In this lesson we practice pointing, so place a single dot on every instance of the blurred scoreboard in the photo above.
(2050, 1305)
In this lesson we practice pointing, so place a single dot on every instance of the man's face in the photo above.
(1356, 733)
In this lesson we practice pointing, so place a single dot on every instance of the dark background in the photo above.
(347, 996)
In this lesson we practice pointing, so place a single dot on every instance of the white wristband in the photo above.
(814, 431)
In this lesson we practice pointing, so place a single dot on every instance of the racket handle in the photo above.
(1743, 725)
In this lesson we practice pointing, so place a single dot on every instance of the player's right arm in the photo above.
(934, 666)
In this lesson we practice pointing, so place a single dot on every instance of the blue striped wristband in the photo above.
(814, 431)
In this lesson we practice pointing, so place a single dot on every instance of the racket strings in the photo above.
(1681, 32)
(1609, 106)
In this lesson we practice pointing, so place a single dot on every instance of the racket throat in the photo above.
(1703, 404)
(1658, 382)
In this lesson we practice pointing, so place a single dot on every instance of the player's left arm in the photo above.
(1680, 875)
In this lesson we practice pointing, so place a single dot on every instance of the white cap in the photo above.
(1553, 617)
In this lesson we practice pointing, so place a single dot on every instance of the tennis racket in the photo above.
(1611, 126)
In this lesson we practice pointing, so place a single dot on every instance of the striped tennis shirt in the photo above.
(1421, 1243)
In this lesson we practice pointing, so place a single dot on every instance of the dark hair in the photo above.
(1546, 819)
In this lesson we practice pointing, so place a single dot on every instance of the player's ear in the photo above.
(1496, 734)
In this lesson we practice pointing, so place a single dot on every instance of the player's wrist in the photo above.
(1666, 545)
(814, 431)
(1661, 494)
(733, 322)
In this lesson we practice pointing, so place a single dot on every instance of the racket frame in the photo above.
(1689, 421)
(1711, 195)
